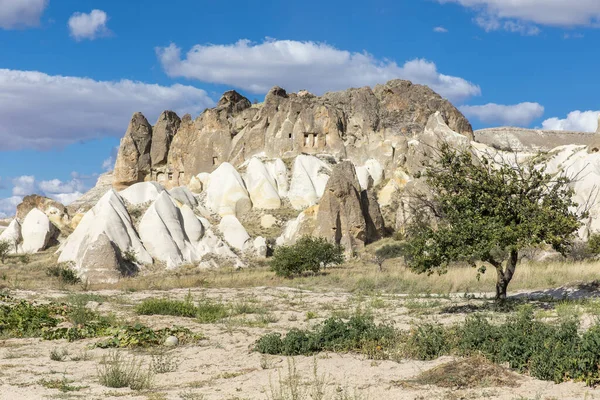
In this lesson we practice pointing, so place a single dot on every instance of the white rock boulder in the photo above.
(12, 235)
(143, 192)
(234, 233)
(184, 196)
(110, 217)
(279, 173)
(261, 186)
(162, 230)
(38, 232)
(309, 177)
(226, 192)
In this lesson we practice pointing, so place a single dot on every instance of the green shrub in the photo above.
(209, 311)
(334, 334)
(5, 247)
(593, 244)
(64, 274)
(309, 254)
(390, 251)
(167, 307)
(428, 342)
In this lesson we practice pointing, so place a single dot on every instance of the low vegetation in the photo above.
(63, 274)
(116, 371)
(556, 352)
(359, 333)
(308, 254)
(53, 321)
(5, 248)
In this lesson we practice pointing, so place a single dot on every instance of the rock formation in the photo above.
(133, 160)
(101, 262)
(166, 233)
(356, 124)
(142, 193)
(534, 140)
(162, 135)
(226, 192)
(12, 235)
(38, 232)
(55, 211)
(110, 217)
(343, 217)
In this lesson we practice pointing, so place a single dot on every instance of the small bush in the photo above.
(130, 256)
(209, 311)
(390, 251)
(593, 244)
(167, 307)
(64, 274)
(5, 247)
(309, 254)
(117, 372)
(59, 354)
(334, 334)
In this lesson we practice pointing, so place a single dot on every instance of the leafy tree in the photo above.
(387, 252)
(308, 254)
(485, 211)
(4, 249)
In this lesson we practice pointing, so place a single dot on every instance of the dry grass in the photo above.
(473, 372)
(354, 276)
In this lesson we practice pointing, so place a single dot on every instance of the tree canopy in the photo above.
(484, 210)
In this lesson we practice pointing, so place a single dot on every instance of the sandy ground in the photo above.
(225, 367)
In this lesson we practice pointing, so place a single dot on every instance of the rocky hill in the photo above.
(242, 178)
(356, 124)
(533, 140)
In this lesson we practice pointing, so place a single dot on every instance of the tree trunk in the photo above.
(505, 275)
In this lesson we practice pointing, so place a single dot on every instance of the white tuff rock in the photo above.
(110, 217)
(226, 193)
(141, 193)
(38, 232)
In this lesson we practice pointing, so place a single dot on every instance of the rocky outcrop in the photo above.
(343, 217)
(133, 162)
(309, 177)
(38, 232)
(55, 211)
(226, 192)
(534, 140)
(356, 124)
(142, 193)
(162, 135)
(12, 235)
(234, 233)
(110, 217)
(183, 195)
(101, 262)
(262, 187)
(166, 232)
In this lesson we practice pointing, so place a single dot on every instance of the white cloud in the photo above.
(521, 114)
(43, 111)
(8, 206)
(440, 29)
(21, 13)
(577, 121)
(522, 15)
(63, 191)
(23, 185)
(88, 26)
(294, 65)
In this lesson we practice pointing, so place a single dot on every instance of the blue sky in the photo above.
(73, 71)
